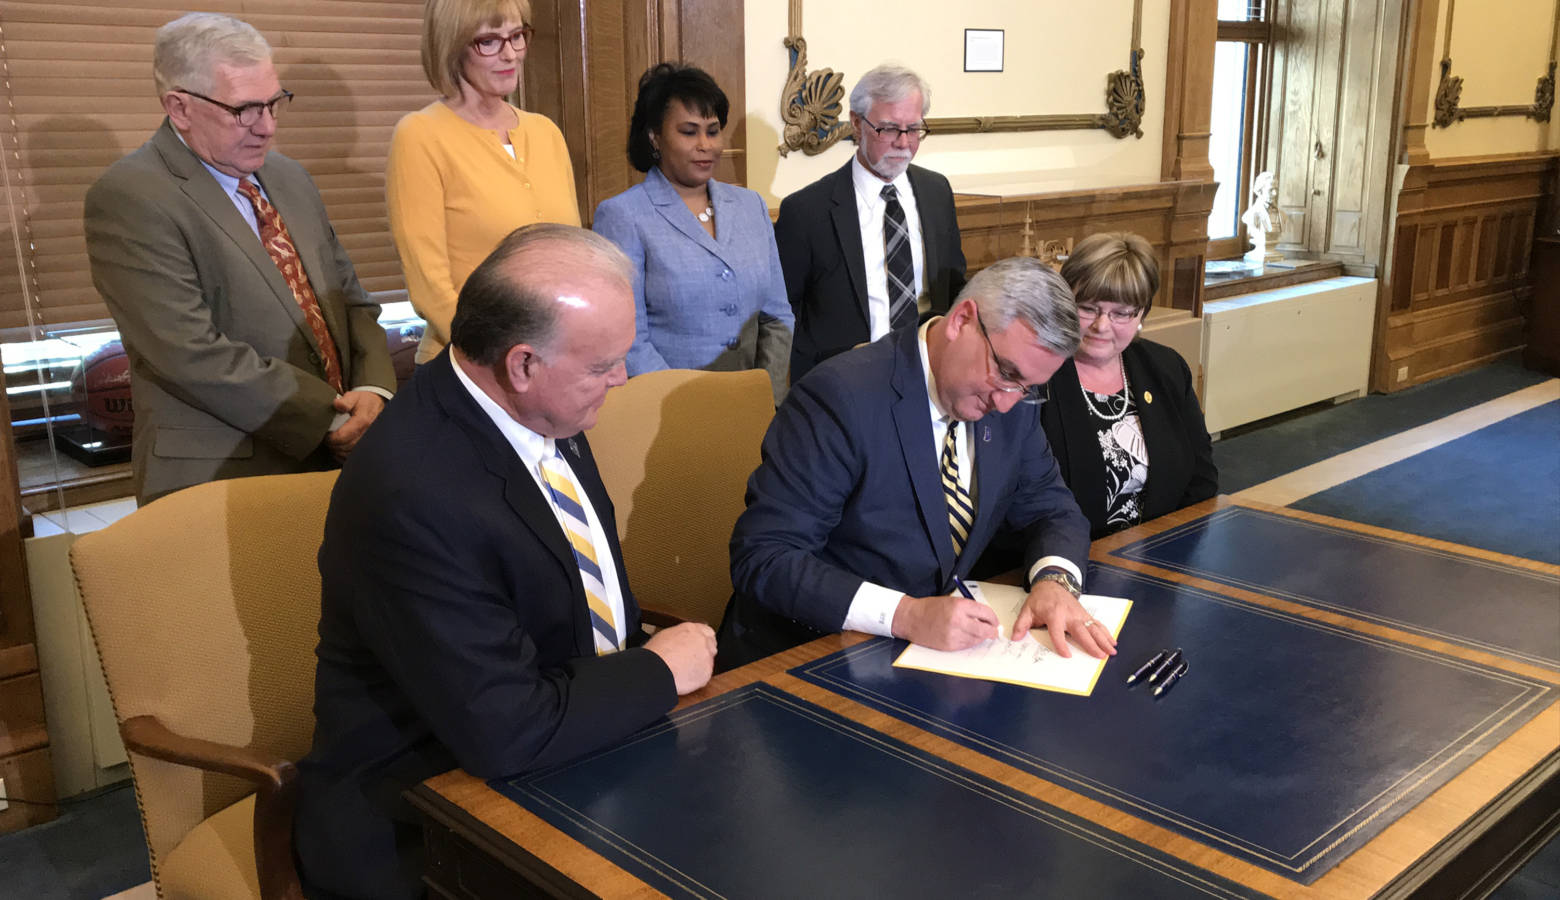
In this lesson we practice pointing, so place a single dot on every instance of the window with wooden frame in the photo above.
(1242, 72)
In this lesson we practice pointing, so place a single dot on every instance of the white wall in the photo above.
(1499, 49)
(1058, 55)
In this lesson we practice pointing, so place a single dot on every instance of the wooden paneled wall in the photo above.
(1460, 284)
(583, 73)
(1172, 215)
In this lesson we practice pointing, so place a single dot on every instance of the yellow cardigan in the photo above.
(454, 193)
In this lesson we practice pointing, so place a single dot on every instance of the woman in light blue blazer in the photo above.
(708, 289)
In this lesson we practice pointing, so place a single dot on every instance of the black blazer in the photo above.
(453, 632)
(1180, 454)
(849, 491)
(819, 238)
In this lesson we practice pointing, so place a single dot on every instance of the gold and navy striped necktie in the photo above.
(576, 527)
(961, 512)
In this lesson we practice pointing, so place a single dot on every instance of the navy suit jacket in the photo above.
(849, 490)
(453, 632)
(819, 237)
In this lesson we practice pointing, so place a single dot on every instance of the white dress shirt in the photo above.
(532, 448)
(872, 608)
(869, 210)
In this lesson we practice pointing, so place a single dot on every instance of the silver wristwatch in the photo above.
(1063, 578)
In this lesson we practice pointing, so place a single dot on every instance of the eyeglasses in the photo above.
(892, 132)
(490, 44)
(249, 114)
(1033, 394)
(1117, 316)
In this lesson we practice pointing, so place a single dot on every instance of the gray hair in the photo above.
(1027, 290)
(498, 309)
(888, 83)
(188, 49)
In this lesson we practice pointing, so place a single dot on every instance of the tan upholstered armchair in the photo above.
(675, 449)
(204, 606)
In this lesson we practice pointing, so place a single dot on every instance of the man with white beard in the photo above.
(874, 246)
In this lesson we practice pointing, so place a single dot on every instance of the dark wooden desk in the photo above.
(1469, 831)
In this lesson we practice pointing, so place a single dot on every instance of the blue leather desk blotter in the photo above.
(1290, 743)
(759, 794)
(1472, 602)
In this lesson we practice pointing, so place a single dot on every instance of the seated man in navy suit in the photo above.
(475, 611)
(888, 469)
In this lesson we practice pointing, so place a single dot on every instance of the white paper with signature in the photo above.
(1031, 661)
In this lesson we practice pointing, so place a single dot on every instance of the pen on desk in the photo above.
(963, 590)
(1166, 667)
(1147, 667)
(1171, 679)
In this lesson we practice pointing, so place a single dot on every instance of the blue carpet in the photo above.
(1496, 489)
(92, 850)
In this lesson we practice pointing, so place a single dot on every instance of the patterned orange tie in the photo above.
(279, 245)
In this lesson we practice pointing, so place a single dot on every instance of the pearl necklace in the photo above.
(708, 214)
(1126, 397)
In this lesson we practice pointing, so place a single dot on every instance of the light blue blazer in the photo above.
(702, 302)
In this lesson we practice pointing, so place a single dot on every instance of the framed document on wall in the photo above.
(983, 49)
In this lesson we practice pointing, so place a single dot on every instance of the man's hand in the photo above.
(363, 407)
(944, 623)
(689, 651)
(1055, 607)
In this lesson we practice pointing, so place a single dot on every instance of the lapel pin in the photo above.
(573, 447)
(1148, 396)
(985, 434)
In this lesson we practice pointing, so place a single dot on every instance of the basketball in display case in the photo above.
(102, 386)
(99, 432)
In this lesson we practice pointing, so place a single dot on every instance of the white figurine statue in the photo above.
(1263, 220)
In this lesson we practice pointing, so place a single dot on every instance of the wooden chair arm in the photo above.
(276, 794)
(149, 737)
(659, 619)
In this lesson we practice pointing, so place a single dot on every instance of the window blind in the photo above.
(78, 94)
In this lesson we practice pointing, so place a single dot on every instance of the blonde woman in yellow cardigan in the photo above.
(468, 169)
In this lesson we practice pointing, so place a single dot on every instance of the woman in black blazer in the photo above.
(1122, 418)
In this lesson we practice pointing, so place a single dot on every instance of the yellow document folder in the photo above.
(1030, 661)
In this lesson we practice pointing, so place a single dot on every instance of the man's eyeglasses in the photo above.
(1032, 394)
(892, 132)
(490, 44)
(249, 114)
(1117, 316)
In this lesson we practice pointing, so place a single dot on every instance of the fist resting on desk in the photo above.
(688, 650)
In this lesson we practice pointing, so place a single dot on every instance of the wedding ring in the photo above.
(1087, 624)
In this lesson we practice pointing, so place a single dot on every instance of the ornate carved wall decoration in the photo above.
(1544, 94)
(1448, 93)
(1124, 100)
(811, 103)
(1124, 103)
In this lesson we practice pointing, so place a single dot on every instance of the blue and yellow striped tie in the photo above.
(576, 527)
(961, 512)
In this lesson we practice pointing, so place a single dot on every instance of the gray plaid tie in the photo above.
(898, 263)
